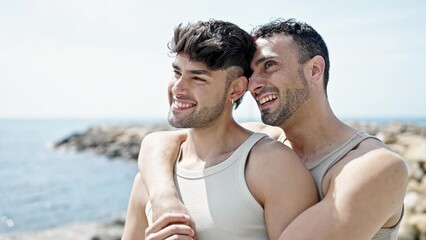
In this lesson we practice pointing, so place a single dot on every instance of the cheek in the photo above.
(209, 97)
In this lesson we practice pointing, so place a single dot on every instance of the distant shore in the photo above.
(112, 141)
(122, 141)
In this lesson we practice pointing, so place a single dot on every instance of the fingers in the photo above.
(174, 231)
(180, 237)
(192, 226)
(168, 225)
(167, 219)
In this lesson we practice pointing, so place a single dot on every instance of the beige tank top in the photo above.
(319, 170)
(219, 200)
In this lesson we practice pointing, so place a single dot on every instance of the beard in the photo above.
(293, 101)
(199, 118)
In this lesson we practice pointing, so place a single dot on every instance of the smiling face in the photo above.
(278, 83)
(197, 95)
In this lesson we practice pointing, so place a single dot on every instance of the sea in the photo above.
(42, 188)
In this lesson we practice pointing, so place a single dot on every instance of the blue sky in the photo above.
(85, 58)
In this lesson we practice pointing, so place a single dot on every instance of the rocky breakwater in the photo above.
(112, 141)
(408, 140)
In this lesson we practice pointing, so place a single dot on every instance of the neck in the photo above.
(315, 131)
(211, 145)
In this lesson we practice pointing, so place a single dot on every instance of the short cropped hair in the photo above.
(308, 42)
(218, 44)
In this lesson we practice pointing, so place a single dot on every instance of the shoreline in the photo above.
(93, 230)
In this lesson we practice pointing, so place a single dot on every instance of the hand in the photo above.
(167, 208)
(171, 226)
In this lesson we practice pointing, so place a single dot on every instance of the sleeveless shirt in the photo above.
(219, 200)
(319, 170)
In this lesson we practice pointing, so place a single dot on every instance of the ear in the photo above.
(316, 68)
(238, 87)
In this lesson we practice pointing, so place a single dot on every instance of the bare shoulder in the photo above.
(381, 160)
(268, 150)
(372, 160)
(272, 164)
(383, 163)
(271, 131)
(371, 180)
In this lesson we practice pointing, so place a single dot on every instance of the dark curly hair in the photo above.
(308, 42)
(218, 44)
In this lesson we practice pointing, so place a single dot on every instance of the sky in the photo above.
(109, 59)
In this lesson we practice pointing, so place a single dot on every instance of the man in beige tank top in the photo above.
(233, 181)
(361, 183)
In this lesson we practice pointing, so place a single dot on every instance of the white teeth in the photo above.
(182, 105)
(267, 99)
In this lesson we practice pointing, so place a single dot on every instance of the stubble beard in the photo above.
(199, 118)
(293, 101)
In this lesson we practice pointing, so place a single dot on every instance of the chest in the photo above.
(222, 206)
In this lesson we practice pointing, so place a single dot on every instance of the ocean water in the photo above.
(42, 188)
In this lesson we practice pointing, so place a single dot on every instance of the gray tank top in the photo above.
(319, 170)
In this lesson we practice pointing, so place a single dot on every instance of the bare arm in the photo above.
(279, 180)
(136, 226)
(136, 222)
(157, 156)
(363, 195)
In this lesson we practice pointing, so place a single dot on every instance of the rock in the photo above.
(413, 186)
(416, 150)
(420, 205)
(418, 222)
(410, 201)
(407, 231)
(110, 141)
(415, 171)
(387, 137)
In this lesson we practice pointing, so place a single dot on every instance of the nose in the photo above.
(256, 83)
(178, 86)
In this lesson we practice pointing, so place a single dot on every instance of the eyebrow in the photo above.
(194, 71)
(262, 59)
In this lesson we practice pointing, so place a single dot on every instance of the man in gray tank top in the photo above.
(360, 181)
(233, 181)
